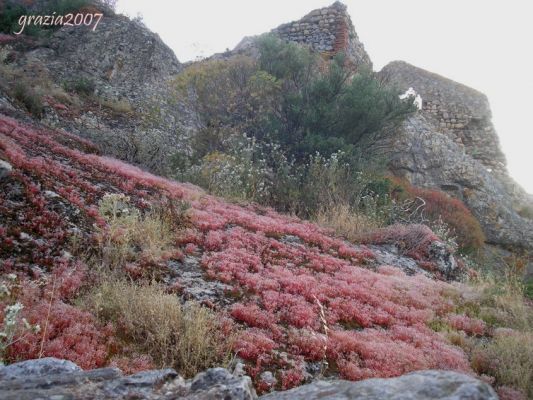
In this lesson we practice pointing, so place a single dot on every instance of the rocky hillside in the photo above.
(133, 113)
(110, 266)
(299, 299)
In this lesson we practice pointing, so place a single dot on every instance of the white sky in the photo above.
(481, 43)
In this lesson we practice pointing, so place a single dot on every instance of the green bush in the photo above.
(10, 13)
(288, 130)
(292, 97)
(322, 106)
(62, 7)
(83, 86)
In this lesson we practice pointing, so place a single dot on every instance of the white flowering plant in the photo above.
(14, 327)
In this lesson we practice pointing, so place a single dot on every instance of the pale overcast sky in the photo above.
(482, 43)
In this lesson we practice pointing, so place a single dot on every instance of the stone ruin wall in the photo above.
(455, 110)
(328, 31)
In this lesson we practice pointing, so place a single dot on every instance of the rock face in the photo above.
(428, 158)
(122, 57)
(415, 386)
(126, 74)
(329, 31)
(50, 378)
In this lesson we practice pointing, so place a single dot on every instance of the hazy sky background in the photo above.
(483, 44)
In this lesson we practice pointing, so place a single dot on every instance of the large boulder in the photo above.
(51, 378)
(41, 367)
(423, 385)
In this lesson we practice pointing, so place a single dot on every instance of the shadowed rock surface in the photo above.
(53, 379)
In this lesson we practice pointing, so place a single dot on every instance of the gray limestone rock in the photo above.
(5, 169)
(435, 385)
(40, 367)
(428, 158)
(53, 379)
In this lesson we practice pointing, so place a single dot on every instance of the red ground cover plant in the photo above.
(451, 210)
(300, 294)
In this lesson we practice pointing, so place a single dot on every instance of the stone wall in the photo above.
(460, 112)
(329, 31)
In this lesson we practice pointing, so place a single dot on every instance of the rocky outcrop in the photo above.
(122, 57)
(452, 145)
(429, 158)
(415, 386)
(328, 30)
(125, 73)
(50, 378)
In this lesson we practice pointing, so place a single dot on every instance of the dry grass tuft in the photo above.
(499, 301)
(346, 222)
(130, 236)
(188, 337)
(117, 107)
(509, 358)
(507, 354)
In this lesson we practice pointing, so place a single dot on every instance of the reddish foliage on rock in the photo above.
(299, 293)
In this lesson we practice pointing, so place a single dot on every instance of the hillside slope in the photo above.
(120, 94)
(98, 255)
(276, 276)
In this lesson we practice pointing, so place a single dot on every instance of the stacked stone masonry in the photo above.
(329, 31)
(461, 113)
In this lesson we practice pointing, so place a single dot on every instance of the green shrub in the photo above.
(289, 130)
(322, 106)
(62, 7)
(292, 97)
(83, 86)
(528, 288)
(10, 12)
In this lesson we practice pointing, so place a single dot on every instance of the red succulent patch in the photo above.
(301, 294)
